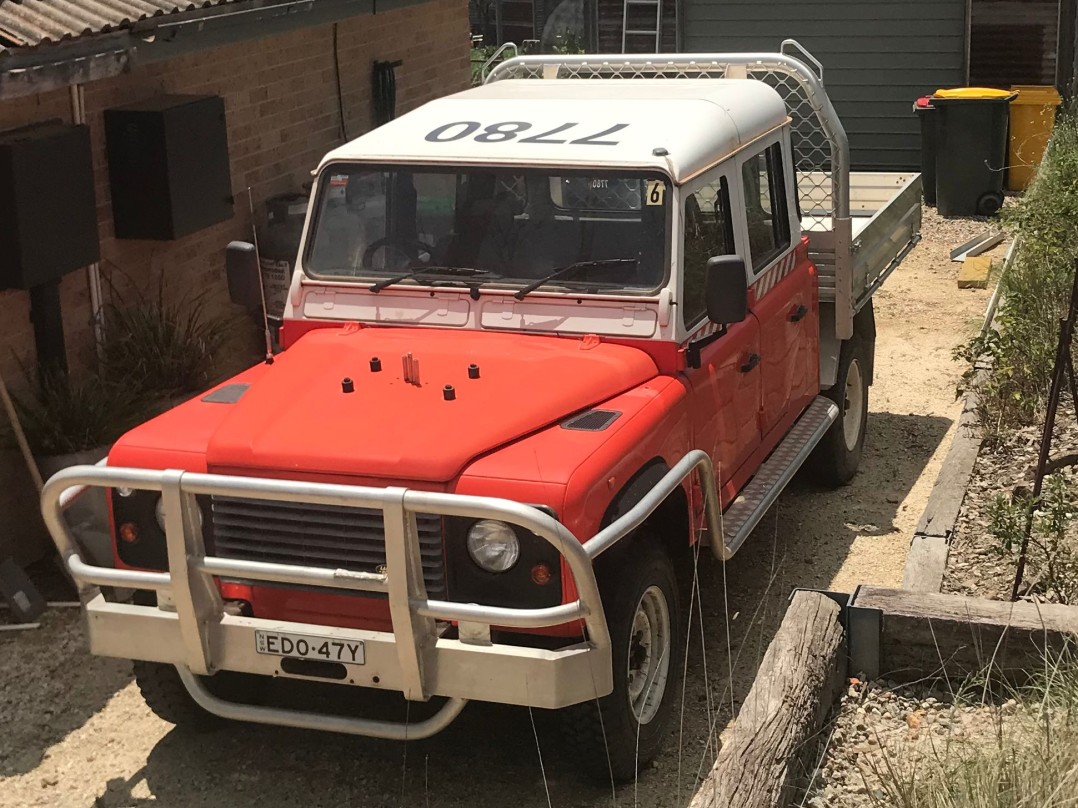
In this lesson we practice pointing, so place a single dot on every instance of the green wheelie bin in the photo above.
(971, 150)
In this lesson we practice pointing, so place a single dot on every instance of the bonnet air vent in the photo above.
(229, 394)
(592, 420)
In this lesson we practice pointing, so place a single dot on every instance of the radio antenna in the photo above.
(261, 286)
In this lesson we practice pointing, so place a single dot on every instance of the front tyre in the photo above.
(837, 457)
(168, 699)
(622, 732)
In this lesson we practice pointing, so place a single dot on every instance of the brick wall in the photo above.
(281, 105)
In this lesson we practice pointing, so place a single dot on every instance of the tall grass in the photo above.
(1028, 760)
(1035, 289)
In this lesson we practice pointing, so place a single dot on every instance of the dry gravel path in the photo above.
(74, 731)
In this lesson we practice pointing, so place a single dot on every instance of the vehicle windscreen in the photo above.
(594, 231)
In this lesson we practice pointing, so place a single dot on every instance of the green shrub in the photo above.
(480, 55)
(1035, 289)
(158, 347)
(1052, 554)
(62, 416)
(569, 43)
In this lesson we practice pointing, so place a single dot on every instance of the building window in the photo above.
(766, 212)
(709, 231)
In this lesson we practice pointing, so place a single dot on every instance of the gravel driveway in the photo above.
(74, 730)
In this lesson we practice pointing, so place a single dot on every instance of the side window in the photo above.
(766, 211)
(709, 231)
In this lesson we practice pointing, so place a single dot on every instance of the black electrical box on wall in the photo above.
(168, 166)
(48, 214)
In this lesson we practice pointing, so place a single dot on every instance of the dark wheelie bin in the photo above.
(926, 114)
(971, 150)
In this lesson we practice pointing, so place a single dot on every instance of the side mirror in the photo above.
(241, 267)
(726, 290)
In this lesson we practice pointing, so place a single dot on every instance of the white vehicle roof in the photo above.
(578, 123)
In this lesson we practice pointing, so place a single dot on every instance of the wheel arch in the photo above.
(670, 521)
(864, 327)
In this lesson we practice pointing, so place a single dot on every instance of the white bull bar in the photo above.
(192, 630)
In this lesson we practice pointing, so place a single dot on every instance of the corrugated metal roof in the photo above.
(26, 23)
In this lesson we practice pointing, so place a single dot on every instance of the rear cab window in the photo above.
(767, 213)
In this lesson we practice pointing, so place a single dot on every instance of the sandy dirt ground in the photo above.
(74, 731)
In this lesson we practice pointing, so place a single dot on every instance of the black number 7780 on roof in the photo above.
(504, 131)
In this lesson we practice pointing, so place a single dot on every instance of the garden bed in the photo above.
(926, 745)
(980, 563)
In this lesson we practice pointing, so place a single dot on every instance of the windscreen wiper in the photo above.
(415, 272)
(570, 268)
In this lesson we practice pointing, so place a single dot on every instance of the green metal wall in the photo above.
(878, 56)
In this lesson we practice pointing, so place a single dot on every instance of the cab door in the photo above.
(725, 385)
(783, 284)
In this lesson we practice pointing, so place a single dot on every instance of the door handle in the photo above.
(752, 361)
(798, 314)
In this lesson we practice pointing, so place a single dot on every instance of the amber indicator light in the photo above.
(541, 574)
(129, 532)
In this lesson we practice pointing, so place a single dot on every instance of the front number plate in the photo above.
(303, 646)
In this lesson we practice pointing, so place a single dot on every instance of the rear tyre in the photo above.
(837, 457)
(168, 699)
(621, 733)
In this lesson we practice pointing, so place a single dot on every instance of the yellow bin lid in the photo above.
(1042, 96)
(974, 93)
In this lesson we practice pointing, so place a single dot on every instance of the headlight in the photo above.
(493, 545)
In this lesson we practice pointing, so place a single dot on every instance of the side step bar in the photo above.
(739, 520)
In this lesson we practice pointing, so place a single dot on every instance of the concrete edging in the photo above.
(927, 559)
(931, 544)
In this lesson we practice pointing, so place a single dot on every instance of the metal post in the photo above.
(404, 573)
(1073, 383)
(48, 322)
(195, 602)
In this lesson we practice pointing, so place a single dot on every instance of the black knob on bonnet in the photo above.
(448, 393)
(376, 364)
(347, 385)
(473, 371)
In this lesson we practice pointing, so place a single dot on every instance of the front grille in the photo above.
(317, 536)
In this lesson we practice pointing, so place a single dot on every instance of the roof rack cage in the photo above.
(821, 149)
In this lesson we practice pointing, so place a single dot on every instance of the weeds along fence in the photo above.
(1034, 290)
